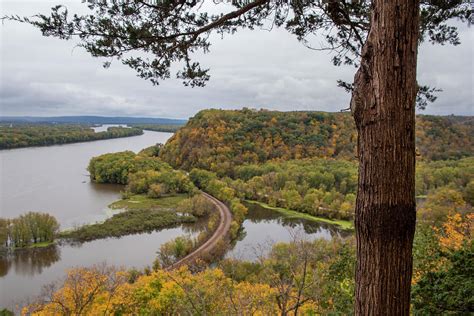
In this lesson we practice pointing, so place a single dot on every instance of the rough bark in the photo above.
(383, 105)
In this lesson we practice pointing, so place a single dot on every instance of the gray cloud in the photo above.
(46, 76)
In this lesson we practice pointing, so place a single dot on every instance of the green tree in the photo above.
(450, 291)
(3, 232)
(440, 203)
(292, 199)
(156, 190)
(48, 227)
(29, 228)
(469, 192)
(6, 312)
(21, 234)
(201, 205)
(381, 37)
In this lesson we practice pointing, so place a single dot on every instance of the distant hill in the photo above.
(91, 120)
(219, 140)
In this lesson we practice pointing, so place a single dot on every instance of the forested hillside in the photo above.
(266, 158)
(445, 137)
(219, 140)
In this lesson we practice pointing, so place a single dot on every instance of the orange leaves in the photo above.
(102, 290)
(213, 136)
(238, 137)
(434, 245)
(455, 231)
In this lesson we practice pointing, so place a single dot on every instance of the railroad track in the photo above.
(220, 233)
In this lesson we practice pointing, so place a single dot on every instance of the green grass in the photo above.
(43, 244)
(142, 214)
(141, 201)
(347, 225)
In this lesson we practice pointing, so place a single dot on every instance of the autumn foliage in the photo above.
(304, 277)
(219, 140)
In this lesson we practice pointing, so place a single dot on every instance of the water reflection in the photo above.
(55, 179)
(29, 262)
(263, 227)
(103, 188)
(24, 275)
(196, 227)
(104, 127)
(258, 214)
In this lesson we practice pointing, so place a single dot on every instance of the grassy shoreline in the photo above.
(140, 201)
(142, 214)
(43, 244)
(346, 225)
(138, 214)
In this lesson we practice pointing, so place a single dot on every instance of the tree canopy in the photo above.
(156, 38)
(221, 140)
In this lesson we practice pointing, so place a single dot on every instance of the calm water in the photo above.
(263, 227)
(103, 128)
(23, 274)
(55, 180)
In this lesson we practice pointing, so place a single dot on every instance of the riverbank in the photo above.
(346, 225)
(141, 201)
(38, 135)
(4, 251)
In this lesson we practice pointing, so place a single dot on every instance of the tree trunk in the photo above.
(383, 105)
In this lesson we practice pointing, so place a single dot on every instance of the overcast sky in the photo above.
(258, 69)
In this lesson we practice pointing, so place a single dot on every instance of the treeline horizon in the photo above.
(36, 135)
(91, 119)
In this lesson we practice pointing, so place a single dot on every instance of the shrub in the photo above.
(156, 190)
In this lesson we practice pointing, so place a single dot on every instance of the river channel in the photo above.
(55, 180)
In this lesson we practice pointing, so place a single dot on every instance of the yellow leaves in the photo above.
(330, 302)
(309, 308)
(434, 246)
(441, 202)
(437, 265)
(168, 298)
(105, 291)
(347, 208)
(91, 291)
(455, 231)
(255, 299)
(299, 152)
(416, 277)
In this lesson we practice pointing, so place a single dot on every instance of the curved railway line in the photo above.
(221, 231)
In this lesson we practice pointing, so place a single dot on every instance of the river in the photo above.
(264, 227)
(54, 179)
